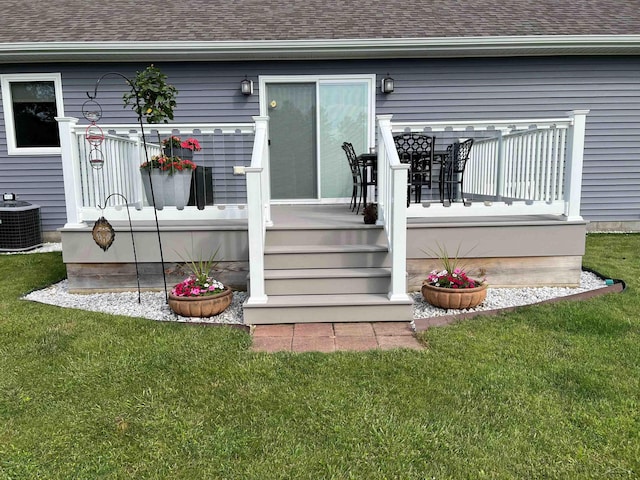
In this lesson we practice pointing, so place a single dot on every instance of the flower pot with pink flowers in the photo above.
(451, 287)
(176, 147)
(200, 294)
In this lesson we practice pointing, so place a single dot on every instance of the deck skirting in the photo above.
(560, 271)
(519, 251)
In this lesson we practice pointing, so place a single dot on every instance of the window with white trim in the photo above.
(30, 103)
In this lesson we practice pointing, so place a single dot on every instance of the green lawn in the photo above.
(547, 392)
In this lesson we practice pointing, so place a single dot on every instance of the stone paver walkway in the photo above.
(332, 337)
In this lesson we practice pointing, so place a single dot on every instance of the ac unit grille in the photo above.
(19, 226)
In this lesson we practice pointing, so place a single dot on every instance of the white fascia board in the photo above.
(324, 49)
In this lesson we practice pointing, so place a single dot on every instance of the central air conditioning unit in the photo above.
(20, 227)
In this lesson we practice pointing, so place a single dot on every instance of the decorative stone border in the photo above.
(422, 324)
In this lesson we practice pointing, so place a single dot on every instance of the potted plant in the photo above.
(370, 213)
(151, 96)
(451, 286)
(170, 177)
(200, 294)
(174, 146)
(166, 177)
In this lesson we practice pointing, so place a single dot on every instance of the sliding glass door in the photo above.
(309, 119)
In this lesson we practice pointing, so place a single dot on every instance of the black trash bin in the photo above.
(201, 187)
(20, 227)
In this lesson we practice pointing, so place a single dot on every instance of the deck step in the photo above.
(327, 281)
(363, 235)
(326, 256)
(328, 308)
(327, 274)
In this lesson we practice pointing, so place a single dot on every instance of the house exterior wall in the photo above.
(426, 89)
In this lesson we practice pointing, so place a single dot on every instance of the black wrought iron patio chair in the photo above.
(356, 176)
(363, 173)
(452, 170)
(417, 150)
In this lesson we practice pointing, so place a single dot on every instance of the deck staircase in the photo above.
(327, 273)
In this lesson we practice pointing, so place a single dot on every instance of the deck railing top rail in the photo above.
(479, 125)
(169, 128)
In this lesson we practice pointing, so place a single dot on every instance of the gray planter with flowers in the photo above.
(171, 173)
(169, 189)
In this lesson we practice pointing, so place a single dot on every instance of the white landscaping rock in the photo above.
(153, 304)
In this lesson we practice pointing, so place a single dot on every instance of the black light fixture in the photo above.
(9, 197)
(246, 86)
(386, 86)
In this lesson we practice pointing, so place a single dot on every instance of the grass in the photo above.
(549, 391)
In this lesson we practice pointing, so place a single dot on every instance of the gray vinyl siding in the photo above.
(426, 89)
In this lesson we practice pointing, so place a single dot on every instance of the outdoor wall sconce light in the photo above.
(387, 84)
(9, 197)
(246, 86)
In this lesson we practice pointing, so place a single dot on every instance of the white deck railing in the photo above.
(86, 188)
(259, 206)
(523, 165)
(392, 207)
(516, 167)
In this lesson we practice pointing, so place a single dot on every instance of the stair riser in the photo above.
(350, 313)
(365, 236)
(324, 286)
(278, 261)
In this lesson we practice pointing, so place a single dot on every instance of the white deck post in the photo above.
(257, 294)
(398, 229)
(70, 171)
(573, 176)
(384, 123)
(500, 168)
(259, 210)
(133, 166)
(262, 127)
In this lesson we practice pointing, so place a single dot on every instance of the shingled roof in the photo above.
(57, 22)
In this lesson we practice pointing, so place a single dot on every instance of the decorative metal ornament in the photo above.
(103, 233)
(91, 110)
(94, 135)
(96, 158)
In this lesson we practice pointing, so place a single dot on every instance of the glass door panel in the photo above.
(344, 117)
(292, 132)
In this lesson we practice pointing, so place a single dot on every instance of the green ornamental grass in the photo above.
(550, 391)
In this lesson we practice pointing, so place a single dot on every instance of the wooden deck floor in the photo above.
(341, 215)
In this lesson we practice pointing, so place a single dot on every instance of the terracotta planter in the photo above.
(206, 306)
(454, 298)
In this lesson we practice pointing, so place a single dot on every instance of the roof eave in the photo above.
(31, 52)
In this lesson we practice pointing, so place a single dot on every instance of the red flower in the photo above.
(191, 144)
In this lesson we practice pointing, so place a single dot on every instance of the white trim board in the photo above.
(524, 45)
